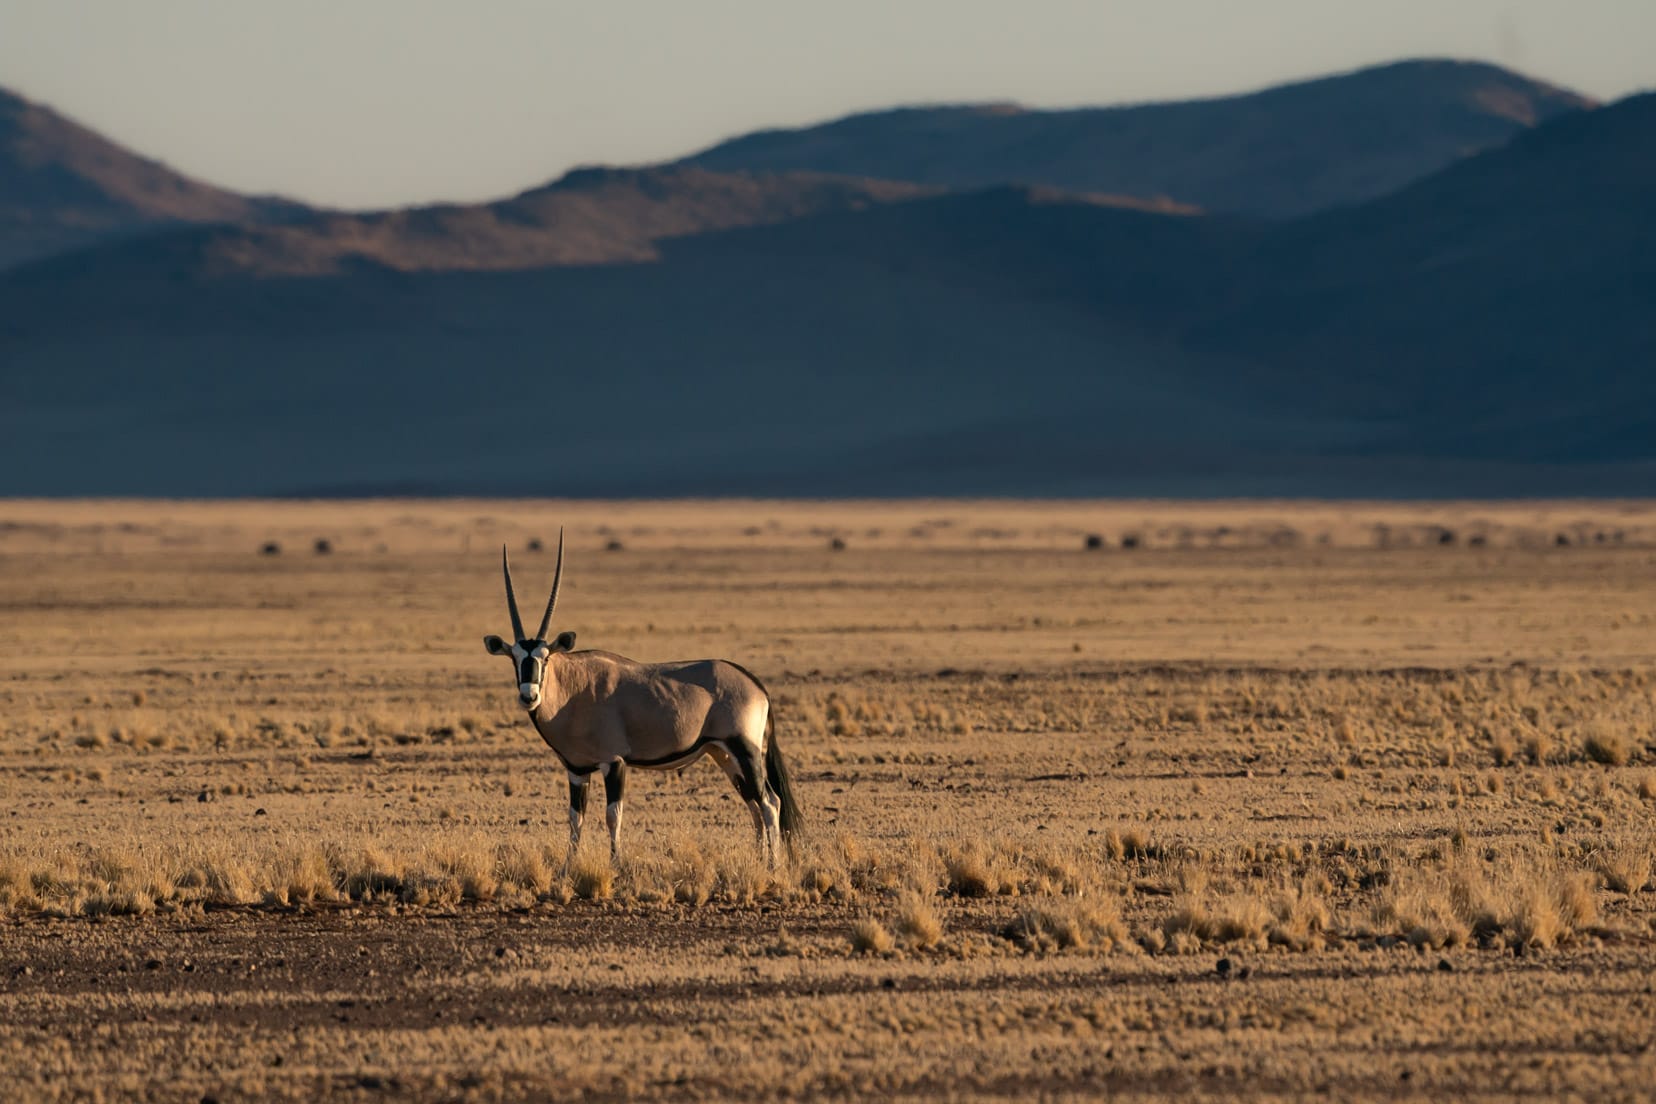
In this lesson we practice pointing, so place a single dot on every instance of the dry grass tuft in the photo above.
(1436, 907)
(301, 875)
(1608, 746)
(1301, 917)
(681, 868)
(821, 878)
(1625, 864)
(225, 881)
(467, 871)
(869, 936)
(1552, 909)
(917, 922)
(1068, 924)
(592, 876)
(973, 869)
(1130, 845)
(1050, 870)
(744, 876)
(17, 892)
(1237, 918)
(524, 866)
(1527, 900)
(368, 873)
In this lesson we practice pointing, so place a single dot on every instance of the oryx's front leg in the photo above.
(615, 784)
(577, 810)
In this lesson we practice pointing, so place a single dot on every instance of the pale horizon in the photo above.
(394, 104)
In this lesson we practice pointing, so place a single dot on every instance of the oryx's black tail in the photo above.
(776, 776)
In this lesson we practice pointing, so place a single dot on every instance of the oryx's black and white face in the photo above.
(530, 653)
(529, 660)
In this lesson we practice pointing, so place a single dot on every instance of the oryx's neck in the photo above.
(566, 680)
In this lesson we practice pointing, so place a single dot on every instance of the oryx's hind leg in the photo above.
(733, 772)
(615, 784)
(762, 803)
(577, 810)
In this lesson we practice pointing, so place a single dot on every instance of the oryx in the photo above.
(602, 713)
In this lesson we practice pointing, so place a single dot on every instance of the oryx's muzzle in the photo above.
(531, 664)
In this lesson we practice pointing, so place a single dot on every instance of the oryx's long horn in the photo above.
(511, 599)
(552, 602)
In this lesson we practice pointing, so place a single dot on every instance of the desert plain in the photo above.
(1259, 800)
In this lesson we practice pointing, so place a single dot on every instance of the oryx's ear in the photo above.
(496, 645)
(565, 641)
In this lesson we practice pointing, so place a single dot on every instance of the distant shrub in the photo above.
(868, 936)
(972, 869)
(917, 921)
(1607, 746)
(1067, 924)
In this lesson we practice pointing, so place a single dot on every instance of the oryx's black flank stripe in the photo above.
(667, 760)
(647, 764)
(571, 767)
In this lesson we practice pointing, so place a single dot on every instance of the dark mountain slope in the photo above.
(774, 358)
(1501, 308)
(1282, 152)
(63, 186)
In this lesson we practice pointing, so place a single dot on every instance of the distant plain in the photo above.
(1257, 799)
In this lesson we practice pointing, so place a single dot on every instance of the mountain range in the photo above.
(1430, 278)
(63, 187)
(1280, 153)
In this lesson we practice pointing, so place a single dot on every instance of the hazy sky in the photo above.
(377, 102)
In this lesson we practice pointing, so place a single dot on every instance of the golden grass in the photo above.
(1535, 897)
(1012, 753)
(1530, 901)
